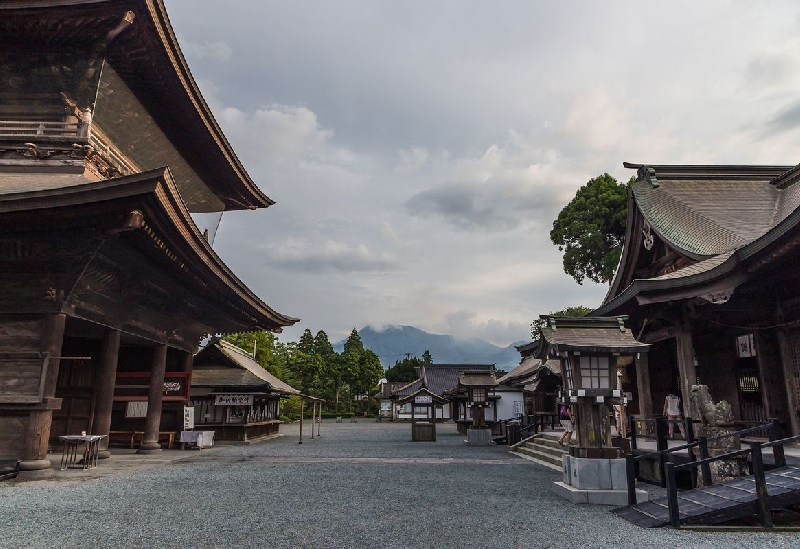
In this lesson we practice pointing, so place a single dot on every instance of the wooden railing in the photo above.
(631, 460)
(15, 129)
(756, 453)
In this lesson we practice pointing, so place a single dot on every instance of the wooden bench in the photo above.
(166, 436)
(127, 437)
(131, 438)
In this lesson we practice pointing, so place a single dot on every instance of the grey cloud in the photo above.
(787, 119)
(456, 203)
(328, 257)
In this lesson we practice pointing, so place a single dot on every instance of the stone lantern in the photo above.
(478, 385)
(589, 349)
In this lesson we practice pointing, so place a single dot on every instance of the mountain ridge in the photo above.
(393, 343)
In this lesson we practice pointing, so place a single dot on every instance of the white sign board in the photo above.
(233, 400)
(136, 409)
(188, 418)
(746, 346)
(423, 399)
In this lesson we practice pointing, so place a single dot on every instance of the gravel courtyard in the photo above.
(360, 484)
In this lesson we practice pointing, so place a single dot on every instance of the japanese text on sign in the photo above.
(233, 400)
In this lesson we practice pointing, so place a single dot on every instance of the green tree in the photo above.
(351, 357)
(426, 357)
(331, 378)
(590, 230)
(369, 372)
(578, 310)
(404, 370)
(263, 343)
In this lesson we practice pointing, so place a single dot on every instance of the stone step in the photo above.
(532, 452)
(545, 445)
(536, 457)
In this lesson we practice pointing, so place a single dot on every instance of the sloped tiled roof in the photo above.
(238, 369)
(703, 211)
(590, 334)
(524, 370)
(477, 379)
(442, 378)
(389, 387)
(716, 215)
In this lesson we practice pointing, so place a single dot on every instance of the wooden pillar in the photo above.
(107, 374)
(789, 373)
(34, 462)
(152, 422)
(187, 362)
(686, 368)
(302, 408)
(643, 386)
(591, 424)
(319, 417)
(313, 416)
(789, 376)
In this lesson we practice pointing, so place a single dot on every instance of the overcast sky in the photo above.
(419, 151)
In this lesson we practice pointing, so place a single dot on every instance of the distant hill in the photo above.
(392, 344)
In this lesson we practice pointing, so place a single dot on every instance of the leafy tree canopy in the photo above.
(579, 310)
(590, 230)
(264, 345)
(404, 370)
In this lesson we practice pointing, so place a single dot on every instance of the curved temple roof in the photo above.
(167, 231)
(147, 58)
(717, 216)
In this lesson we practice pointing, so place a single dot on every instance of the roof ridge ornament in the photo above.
(646, 173)
(648, 239)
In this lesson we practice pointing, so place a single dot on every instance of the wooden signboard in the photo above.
(233, 400)
(134, 386)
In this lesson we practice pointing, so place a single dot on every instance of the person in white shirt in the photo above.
(672, 411)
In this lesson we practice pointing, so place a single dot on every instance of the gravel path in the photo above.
(358, 485)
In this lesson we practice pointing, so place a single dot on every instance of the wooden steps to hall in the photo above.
(709, 505)
(542, 448)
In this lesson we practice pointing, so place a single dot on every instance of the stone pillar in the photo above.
(34, 462)
(686, 368)
(109, 356)
(152, 422)
(643, 386)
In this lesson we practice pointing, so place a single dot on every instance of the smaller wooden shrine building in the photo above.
(233, 395)
(441, 380)
(540, 382)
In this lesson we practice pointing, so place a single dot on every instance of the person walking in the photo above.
(565, 415)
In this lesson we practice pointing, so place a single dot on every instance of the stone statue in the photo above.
(716, 420)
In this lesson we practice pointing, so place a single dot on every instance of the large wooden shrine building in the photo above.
(107, 150)
(709, 277)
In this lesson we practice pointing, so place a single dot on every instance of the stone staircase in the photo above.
(543, 448)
